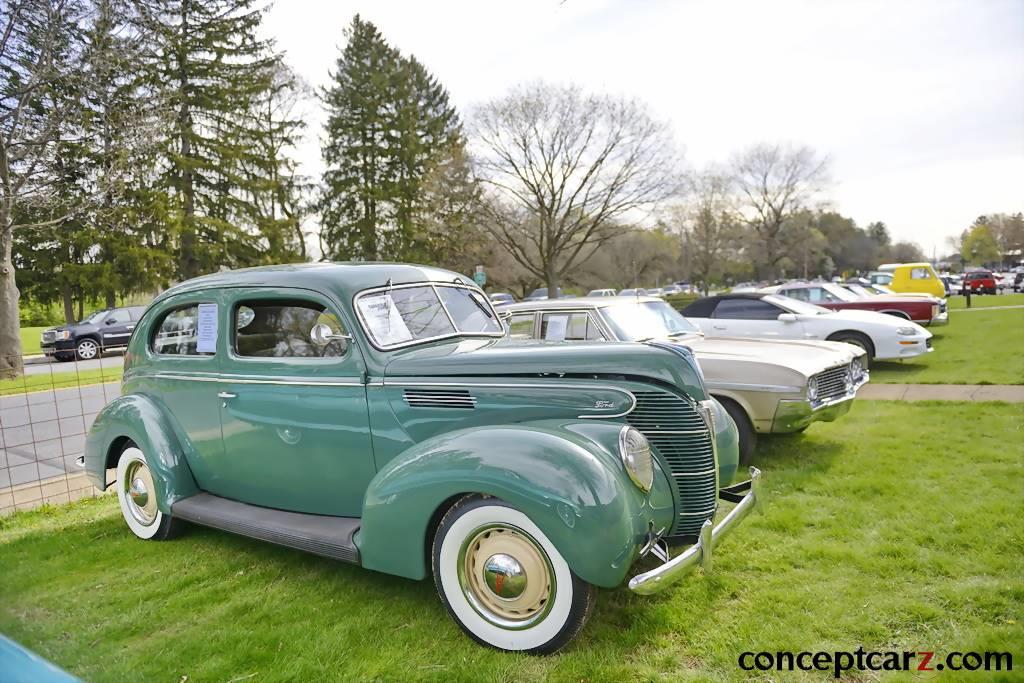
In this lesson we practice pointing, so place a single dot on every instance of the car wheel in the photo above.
(859, 340)
(87, 349)
(136, 492)
(747, 435)
(503, 582)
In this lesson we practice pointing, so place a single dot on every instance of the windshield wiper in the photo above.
(480, 305)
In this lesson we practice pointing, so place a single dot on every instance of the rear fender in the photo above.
(565, 476)
(139, 419)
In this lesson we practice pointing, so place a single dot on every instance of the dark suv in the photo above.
(101, 331)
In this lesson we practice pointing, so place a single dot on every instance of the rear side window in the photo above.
(176, 333)
(746, 309)
(521, 326)
(569, 327)
(277, 328)
(119, 315)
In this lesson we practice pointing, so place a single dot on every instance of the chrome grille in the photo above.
(440, 398)
(684, 441)
(832, 383)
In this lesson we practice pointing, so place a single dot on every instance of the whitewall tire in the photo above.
(137, 495)
(503, 582)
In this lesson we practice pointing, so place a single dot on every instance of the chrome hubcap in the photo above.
(506, 576)
(138, 483)
(86, 349)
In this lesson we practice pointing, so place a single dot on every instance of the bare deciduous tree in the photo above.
(34, 41)
(774, 183)
(566, 171)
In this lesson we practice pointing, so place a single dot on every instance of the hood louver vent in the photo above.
(440, 398)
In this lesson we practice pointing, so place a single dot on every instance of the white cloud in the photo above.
(919, 104)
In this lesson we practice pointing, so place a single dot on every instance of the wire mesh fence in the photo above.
(45, 414)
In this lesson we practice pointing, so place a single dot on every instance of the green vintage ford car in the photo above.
(378, 414)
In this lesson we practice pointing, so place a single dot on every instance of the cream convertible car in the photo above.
(766, 386)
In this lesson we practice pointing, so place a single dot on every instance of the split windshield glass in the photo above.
(646, 320)
(400, 316)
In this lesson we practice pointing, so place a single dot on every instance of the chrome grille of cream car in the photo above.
(685, 442)
(440, 398)
(832, 383)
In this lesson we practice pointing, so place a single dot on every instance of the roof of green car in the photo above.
(351, 277)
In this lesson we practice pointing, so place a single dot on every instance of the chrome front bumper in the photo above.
(747, 496)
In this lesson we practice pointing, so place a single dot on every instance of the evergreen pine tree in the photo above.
(390, 126)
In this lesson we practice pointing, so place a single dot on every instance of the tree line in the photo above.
(144, 142)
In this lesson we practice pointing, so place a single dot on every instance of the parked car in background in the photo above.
(923, 309)
(671, 290)
(502, 299)
(378, 414)
(766, 386)
(93, 336)
(542, 293)
(655, 291)
(636, 291)
(912, 277)
(980, 282)
(741, 287)
(954, 284)
(601, 292)
(1005, 282)
(1018, 282)
(771, 316)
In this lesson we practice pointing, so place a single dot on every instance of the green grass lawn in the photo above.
(30, 340)
(896, 527)
(986, 301)
(976, 347)
(60, 380)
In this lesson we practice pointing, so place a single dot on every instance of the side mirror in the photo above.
(321, 334)
(787, 317)
(109, 321)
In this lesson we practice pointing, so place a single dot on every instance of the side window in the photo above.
(136, 312)
(176, 333)
(801, 294)
(919, 274)
(119, 316)
(746, 309)
(569, 327)
(521, 326)
(280, 328)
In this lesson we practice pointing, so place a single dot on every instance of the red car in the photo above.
(980, 282)
(923, 309)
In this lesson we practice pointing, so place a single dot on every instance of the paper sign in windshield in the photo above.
(384, 321)
(556, 328)
(206, 337)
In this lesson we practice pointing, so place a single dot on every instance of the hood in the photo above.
(527, 358)
(806, 357)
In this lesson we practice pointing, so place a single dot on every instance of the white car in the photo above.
(770, 316)
(601, 292)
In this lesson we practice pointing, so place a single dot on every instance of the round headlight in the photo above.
(636, 457)
(857, 370)
(812, 388)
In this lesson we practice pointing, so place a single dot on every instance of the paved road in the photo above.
(41, 433)
(41, 365)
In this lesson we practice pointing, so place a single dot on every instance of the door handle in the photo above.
(718, 327)
(225, 394)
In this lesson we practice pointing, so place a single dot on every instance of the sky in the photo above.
(918, 104)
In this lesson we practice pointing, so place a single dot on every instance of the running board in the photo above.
(317, 534)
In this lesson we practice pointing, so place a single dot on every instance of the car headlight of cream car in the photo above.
(635, 452)
(857, 370)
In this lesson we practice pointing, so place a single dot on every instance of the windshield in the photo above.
(646, 320)
(95, 318)
(859, 289)
(795, 306)
(404, 315)
(839, 292)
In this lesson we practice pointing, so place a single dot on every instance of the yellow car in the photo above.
(914, 277)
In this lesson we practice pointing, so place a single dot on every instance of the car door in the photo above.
(116, 328)
(293, 406)
(753, 318)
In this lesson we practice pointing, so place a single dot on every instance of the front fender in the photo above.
(141, 420)
(566, 476)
